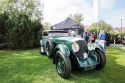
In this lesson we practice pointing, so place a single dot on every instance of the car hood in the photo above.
(71, 39)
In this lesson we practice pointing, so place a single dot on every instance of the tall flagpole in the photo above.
(121, 23)
(96, 12)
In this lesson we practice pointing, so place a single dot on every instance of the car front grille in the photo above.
(83, 48)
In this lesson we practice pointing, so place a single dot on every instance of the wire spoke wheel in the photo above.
(48, 49)
(60, 65)
(63, 65)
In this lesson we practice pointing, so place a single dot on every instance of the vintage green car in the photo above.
(71, 52)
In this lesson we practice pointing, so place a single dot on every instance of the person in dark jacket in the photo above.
(123, 41)
(108, 38)
(86, 36)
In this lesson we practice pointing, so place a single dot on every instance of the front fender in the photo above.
(99, 47)
(63, 48)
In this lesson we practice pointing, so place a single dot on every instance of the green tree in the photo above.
(20, 23)
(46, 25)
(101, 25)
(3, 29)
(19, 32)
(77, 17)
(22, 32)
(32, 8)
(37, 32)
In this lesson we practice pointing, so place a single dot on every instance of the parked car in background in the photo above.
(68, 52)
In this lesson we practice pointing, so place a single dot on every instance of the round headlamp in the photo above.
(85, 55)
(91, 46)
(75, 47)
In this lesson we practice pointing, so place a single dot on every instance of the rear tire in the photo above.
(101, 59)
(49, 49)
(63, 65)
(42, 51)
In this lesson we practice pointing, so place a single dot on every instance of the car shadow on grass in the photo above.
(111, 73)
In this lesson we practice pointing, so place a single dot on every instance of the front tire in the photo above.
(63, 65)
(101, 58)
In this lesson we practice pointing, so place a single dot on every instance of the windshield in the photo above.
(58, 34)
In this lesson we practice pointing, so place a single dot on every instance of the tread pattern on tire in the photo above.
(102, 61)
(67, 64)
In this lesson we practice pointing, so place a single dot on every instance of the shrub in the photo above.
(20, 31)
(3, 29)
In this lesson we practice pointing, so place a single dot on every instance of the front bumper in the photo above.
(91, 61)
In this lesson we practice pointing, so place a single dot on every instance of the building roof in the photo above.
(118, 29)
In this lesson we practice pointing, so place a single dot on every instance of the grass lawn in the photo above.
(28, 66)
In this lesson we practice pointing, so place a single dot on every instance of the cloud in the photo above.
(57, 10)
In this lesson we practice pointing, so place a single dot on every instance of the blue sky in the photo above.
(111, 11)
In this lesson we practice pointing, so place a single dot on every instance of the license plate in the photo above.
(89, 68)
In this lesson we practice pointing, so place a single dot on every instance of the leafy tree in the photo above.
(3, 29)
(101, 25)
(31, 8)
(77, 17)
(20, 25)
(37, 32)
(46, 25)
(22, 32)
(19, 32)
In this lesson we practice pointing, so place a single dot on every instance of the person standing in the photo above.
(108, 38)
(72, 33)
(119, 39)
(100, 34)
(86, 36)
(94, 36)
(123, 41)
(102, 38)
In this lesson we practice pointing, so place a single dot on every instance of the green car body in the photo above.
(80, 53)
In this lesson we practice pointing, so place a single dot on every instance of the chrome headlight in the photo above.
(91, 46)
(75, 47)
(85, 55)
